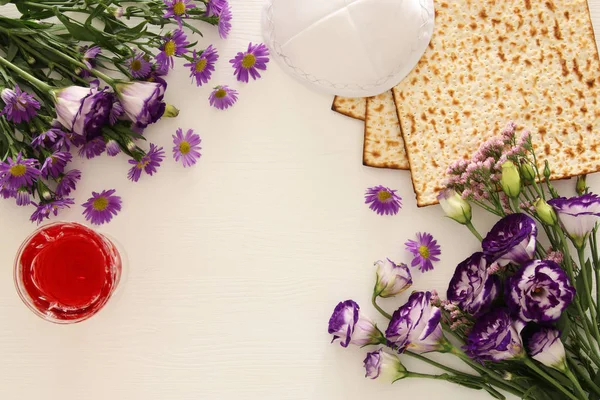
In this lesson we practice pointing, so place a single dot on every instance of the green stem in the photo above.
(469, 225)
(426, 376)
(549, 379)
(515, 204)
(436, 364)
(576, 383)
(25, 75)
(582, 373)
(588, 290)
(381, 310)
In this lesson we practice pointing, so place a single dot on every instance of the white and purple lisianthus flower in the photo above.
(174, 44)
(511, 240)
(384, 366)
(138, 66)
(142, 101)
(350, 326)
(540, 291)
(495, 337)
(19, 106)
(577, 215)
(383, 200)
(55, 164)
(416, 325)
(67, 182)
(44, 210)
(177, 9)
(248, 63)
(203, 65)
(148, 163)
(187, 147)
(89, 59)
(92, 148)
(455, 206)
(543, 344)
(425, 250)
(472, 288)
(223, 97)
(18, 171)
(102, 207)
(392, 278)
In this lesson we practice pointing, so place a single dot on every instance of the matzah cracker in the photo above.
(489, 62)
(354, 107)
(384, 145)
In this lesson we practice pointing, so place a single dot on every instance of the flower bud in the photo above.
(547, 171)
(581, 185)
(170, 111)
(527, 172)
(117, 12)
(382, 365)
(545, 212)
(544, 345)
(392, 278)
(511, 180)
(455, 206)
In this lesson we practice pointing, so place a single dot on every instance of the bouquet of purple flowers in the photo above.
(522, 315)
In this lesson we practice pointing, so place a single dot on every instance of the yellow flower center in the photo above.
(18, 170)
(142, 164)
(170, 48)
(220, 93)
(200, 65)
(179, 8)
(383, 195)
(248, 61)
(184, 147)
(424, 251)
(136, 65)
(100, 203)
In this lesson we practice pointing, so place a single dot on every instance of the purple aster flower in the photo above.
(249, 62)
(540, 291)
(68, 139)
(203, 65)
(23, 197)
(67, 182)
(577, 215)
(84, 110)
(392, 278)
(174, 44)
(47, 137)
(102, 207)
(93, 148)
(177, 9)
(187, 148)
(214, 7)
(112, 147)
(55, 164)
(138, 66)
(148, 163)
(19, 106)
(543, 344)
(416, 325)
(495, 337)
(385, 366)
(7, 193)
(223, 97)
(511, 240)
(425, 250)
(348, 325)
(383, 200)
(116, 112)
(142, 101)
(44, 210)
(89, 59)
(18, 171)
(224, 25)
(472, 288)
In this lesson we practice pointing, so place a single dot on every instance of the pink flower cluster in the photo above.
(457, 319)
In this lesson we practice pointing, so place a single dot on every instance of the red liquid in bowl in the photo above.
(66, 272)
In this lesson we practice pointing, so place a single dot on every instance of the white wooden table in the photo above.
(234, 265)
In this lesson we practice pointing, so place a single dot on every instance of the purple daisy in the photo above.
(249, 62)
(214, 7)
(223, 97)
(224, 25)
(174, 44)
(89, 59)
(55, 164)
(18, 171)
(67, 182)
(177, 9)
(203, 65)
(19, 105)
(102, 207)
(383, 200)
(49, 136)
(23, 197)
(115, 112)
(66, 140)
(148, 163)
(425, 250)
(44, 210)
(187, 148)
(138, 66)
(7, 193)
(93, 148)
(112, 148)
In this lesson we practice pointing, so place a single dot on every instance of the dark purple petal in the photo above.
(511, 240)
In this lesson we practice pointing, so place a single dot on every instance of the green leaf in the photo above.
(564, 325)
(77, 31)
(580, 285)
(12, 51)
(594, 396)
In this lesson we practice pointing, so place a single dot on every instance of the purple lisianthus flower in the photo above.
(18, 171)
(102, 207)
(495, 337)
(223, 97)
(93, 148)
(187, 148)
(416, 325)
(67, 182)
(148, 163)
(385, 366)
(543, 344)
(19, 106)
(55, 164)
(383, 200)
(392, 278)
(23, 197)
(348, 325)
(44, 210)
(142, 101)
(472, 288)
(577, 215)
(112, 147)
(540, 291)
(84, 110)
(511, 240)
(249, 62)
(138, 66)
(89, 59)
(177, 9)
(174, 44)
(203, 65)
(425, 250)
(49, 137)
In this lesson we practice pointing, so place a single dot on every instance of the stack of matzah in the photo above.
(490, 62)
